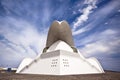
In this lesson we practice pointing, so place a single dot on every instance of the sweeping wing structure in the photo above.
(60, 57)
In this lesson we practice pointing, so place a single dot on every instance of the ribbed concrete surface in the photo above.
(106, 76)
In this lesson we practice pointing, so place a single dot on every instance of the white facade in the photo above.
(60, 60)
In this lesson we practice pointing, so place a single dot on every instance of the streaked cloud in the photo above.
(20, 38)
(91, 4)
(102, 42)
(100, 16)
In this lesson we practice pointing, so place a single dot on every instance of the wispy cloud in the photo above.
(98, 17)
(20, 38)
(102, 42)
(91, 4)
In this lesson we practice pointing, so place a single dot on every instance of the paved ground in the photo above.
(106, 76)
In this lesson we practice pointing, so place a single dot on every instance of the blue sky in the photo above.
(95, 25)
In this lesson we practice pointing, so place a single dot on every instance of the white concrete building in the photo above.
(60, 59)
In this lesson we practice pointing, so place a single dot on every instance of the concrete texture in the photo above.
(59, 31)
(109, 75)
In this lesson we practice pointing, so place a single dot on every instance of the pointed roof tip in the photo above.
(60, 21)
